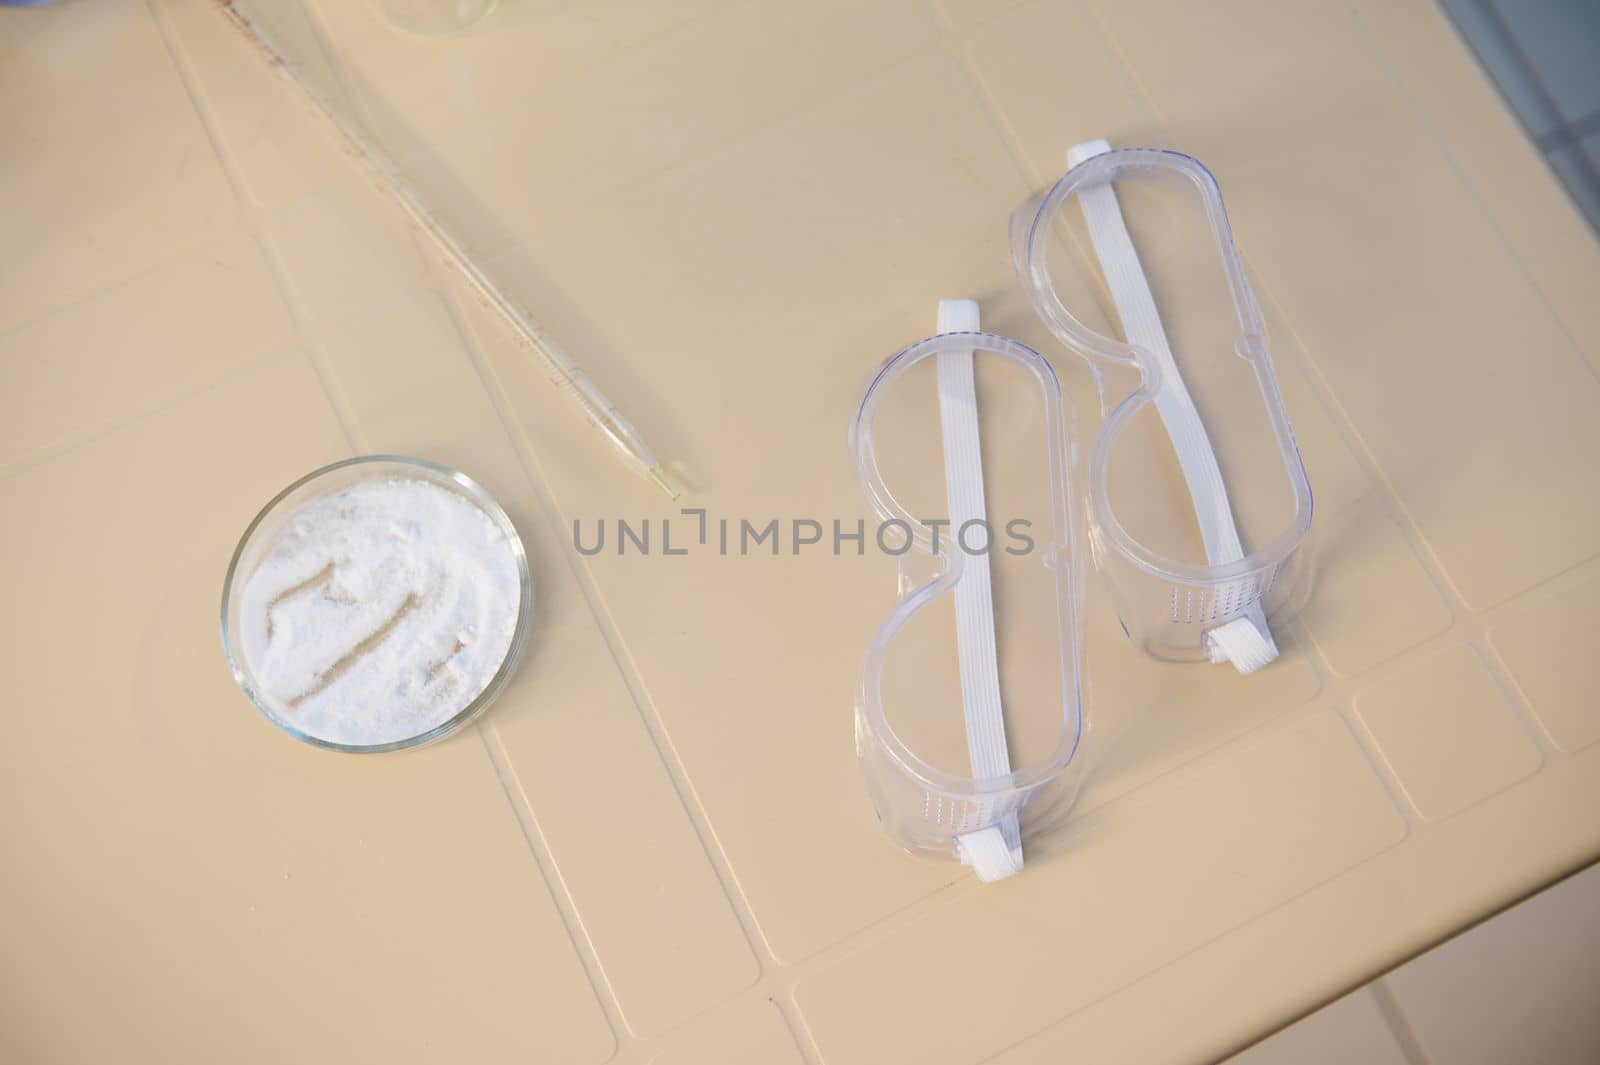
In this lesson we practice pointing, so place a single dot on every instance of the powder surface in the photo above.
(380, 611)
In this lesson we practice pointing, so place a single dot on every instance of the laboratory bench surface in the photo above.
(656, 846)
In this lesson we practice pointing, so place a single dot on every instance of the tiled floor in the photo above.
(1523, 987)
(1545, 57)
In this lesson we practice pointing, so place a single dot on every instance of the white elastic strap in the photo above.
(1245, 641)
(994, 852)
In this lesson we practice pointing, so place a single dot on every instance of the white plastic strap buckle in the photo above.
(1246, 641)
(994, 852)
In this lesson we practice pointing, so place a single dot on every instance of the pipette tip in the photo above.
(659, 476)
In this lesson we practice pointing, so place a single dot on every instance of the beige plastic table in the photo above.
(656, 846)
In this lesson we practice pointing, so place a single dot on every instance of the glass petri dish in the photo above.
(270, 525)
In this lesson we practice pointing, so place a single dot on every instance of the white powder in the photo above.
(380, 611)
